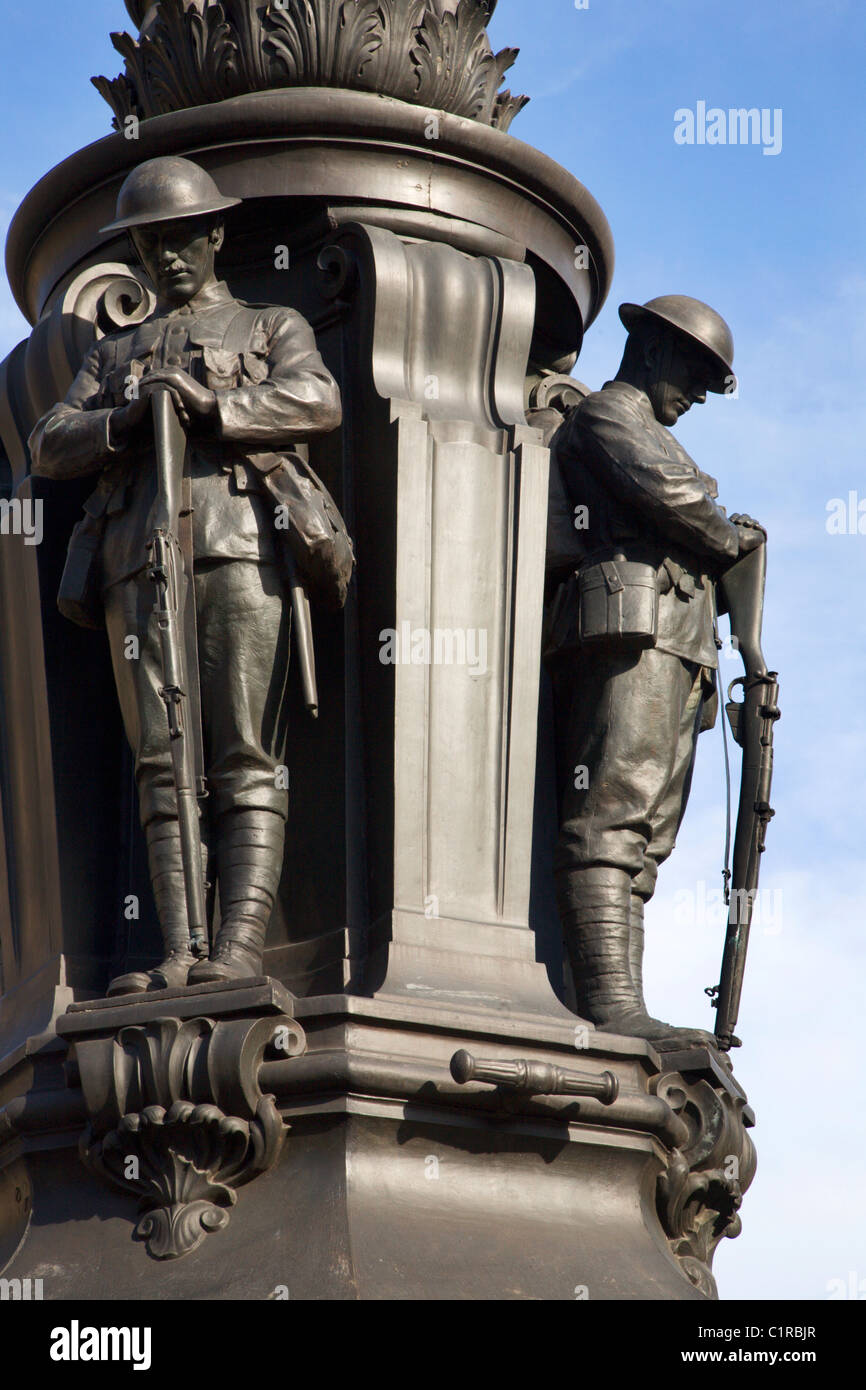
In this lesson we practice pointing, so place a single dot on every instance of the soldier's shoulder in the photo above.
(274, 315)
(615, 400)
(283, 328)
(598, 409)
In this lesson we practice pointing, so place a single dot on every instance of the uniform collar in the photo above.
(205, 319)
(216, 295)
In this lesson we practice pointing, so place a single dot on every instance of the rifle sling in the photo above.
(726, 871)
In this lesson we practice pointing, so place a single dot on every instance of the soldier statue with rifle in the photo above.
(635, 616)
(204, 537)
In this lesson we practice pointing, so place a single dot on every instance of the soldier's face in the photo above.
(179, 256)
(680, 379)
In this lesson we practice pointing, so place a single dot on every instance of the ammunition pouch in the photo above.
(308, 516)
(79, 596)
(618, 604)
(611, 603)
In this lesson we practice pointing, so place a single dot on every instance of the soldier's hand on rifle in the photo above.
(192, 400)
(751, 533)
(125, 420)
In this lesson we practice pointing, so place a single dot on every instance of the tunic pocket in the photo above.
(255, 367)
(222, 368)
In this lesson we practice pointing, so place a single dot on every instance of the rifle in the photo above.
(752, 720)
(167, 571)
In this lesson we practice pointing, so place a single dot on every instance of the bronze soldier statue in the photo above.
(651, 542)
(249, 386)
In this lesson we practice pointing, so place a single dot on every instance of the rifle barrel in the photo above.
(166, 570)
(756, 719)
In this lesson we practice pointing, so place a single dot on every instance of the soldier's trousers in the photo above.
(244, 622)
(633, 727)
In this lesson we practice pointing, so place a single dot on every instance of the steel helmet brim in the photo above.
(724, 379)
(144, 219)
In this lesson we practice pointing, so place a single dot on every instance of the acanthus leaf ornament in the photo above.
(191, 53)
(456, 64)
(314, 45)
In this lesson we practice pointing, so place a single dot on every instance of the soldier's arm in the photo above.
(299, 396)
(73, 438)
(631, 463)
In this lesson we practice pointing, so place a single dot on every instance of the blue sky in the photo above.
(777, 245)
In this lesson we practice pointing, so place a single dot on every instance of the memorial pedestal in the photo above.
(388, 1179)
(316, 1144)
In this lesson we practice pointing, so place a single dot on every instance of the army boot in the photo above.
(169, 891)
(605, 940)
(250, 860)
(636, 943)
